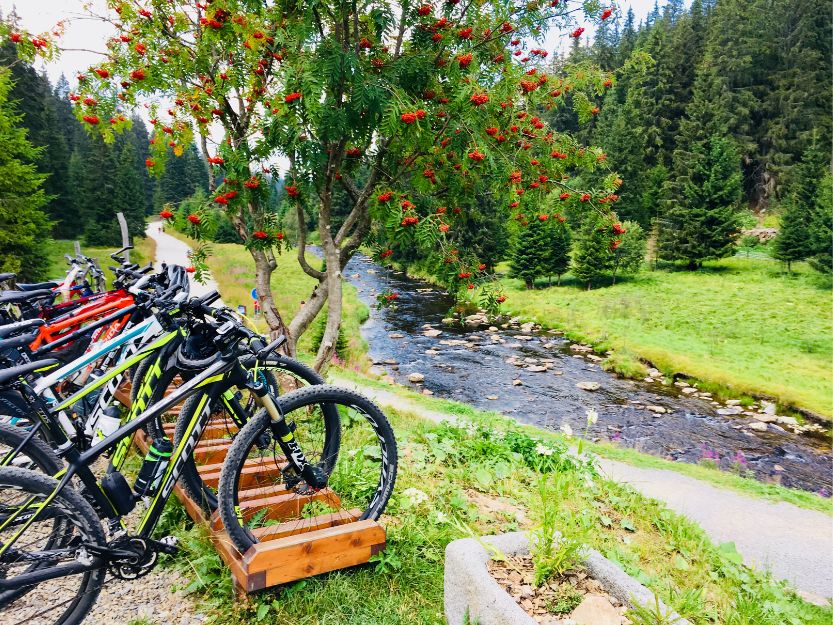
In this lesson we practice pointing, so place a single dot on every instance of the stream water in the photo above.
(473, 368)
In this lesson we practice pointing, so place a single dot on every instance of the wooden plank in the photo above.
(283, 506)
(211, 451)
(249, 475)
(301, 526)
(319, 551)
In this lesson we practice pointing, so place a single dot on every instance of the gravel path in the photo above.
(793, 543)
(171, 250)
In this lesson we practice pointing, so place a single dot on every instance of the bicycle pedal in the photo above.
(168, 545)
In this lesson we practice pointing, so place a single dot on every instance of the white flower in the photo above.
(543, 450)
(567, 430)
(441, 517)
(415, 495)
(592, 417)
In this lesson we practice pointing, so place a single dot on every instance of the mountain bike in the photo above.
(54, 552)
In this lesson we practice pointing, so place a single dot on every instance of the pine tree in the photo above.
(629, 253)
(796, 241)
(139, 137)
(592, 257)
(98, 188)
(24, 227)
(702, 219)
(821, 226)
(529, 256)
(559, 243)
(129, 198)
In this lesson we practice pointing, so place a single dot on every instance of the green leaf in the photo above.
(681, 564)
(262, 610)
(606, 521)
(627, 524)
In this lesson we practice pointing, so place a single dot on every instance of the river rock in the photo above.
(491, 397)
(548, 345)
(580, 348)
(558, 373)
(432, 352)
(656, 409)
(447, 321)
(791, 421)
(517, 383)
(596, 610)
(371, 271)
(540, 368)
(681, 384)
(524, 337)
(594, 358)
(527, 327)
(416, 378)
(432, 333)
(758, 426)
(688, 390)
(730, 410)
(396, 335)
(390, 361)
(654, 373)
(764, 418)
(733, 402)
(492, 329)
(767, 407)
(425, 391)
(588, 386)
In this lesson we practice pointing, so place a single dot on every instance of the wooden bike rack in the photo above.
(292, 548)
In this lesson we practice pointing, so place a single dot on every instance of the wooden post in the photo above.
(125, 234)
(77, 246)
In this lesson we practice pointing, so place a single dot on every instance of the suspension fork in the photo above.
(313, 476)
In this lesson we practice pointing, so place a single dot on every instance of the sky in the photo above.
(84, 36)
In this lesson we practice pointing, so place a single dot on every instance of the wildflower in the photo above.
(140, 48)
(260, 234)
(464, 33)
(501, 299)
(15, 37)
(91, 119)
(166, 214)
(543, 450)
(584, 197)
(410, 221)
(566, 430)
(424, 10)
(515, 177)
(252, 183)
(392, 297)
(385, 197)
(491, 131)
(465, 60)
(295, 95)
(194, 219)
(386, 253)
(103, 73)
(215, 160)
(408, 118)
(149, 162)
(479, 98)
(138, 74)
(292, 191)
(592, 416)
(476, 156)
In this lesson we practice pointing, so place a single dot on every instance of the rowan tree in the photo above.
(425, 101)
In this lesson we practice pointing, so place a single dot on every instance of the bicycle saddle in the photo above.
(6, 276)
(11, 329)
(36, 286)
(18, 297)
(17, 341)
(11, 374)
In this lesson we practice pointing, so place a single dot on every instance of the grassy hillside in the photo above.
(740, 322)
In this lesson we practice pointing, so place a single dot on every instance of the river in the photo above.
(471, 366)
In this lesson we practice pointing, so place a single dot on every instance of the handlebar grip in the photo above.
(264, 353)
(208, 298)
(146, 269)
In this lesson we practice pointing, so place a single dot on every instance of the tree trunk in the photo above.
(263, 274)
(329, 341)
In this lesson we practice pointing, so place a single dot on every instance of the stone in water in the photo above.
(589, 386)
(416, 378)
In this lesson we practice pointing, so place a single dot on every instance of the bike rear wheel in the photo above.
(33, 453)
(54, 539)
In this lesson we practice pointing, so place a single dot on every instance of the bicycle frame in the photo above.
(79, 462)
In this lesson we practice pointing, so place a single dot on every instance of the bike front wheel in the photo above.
(56, 541)
(261, 493)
